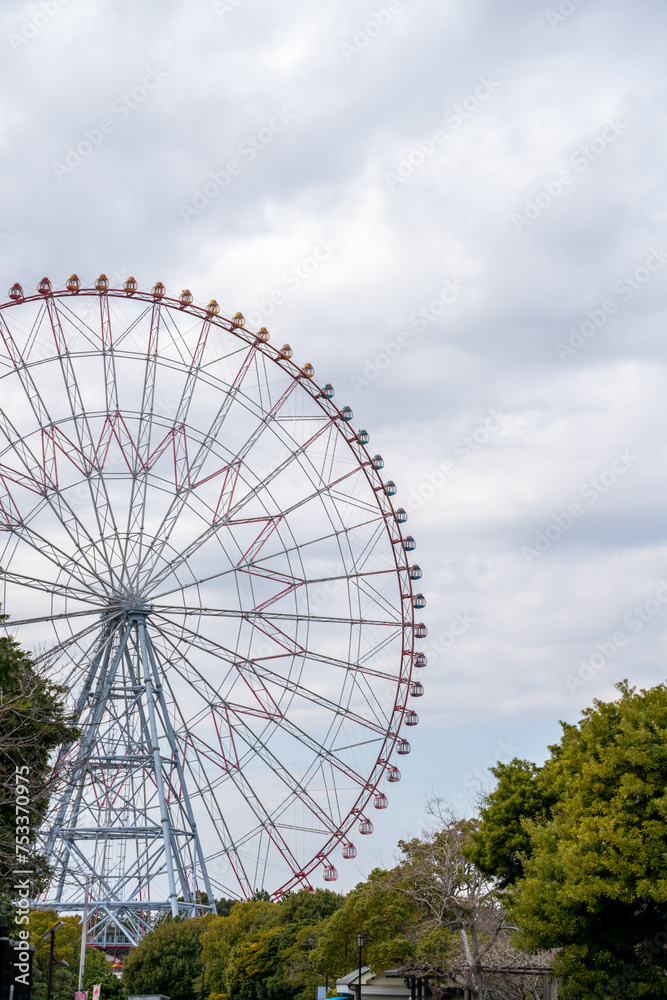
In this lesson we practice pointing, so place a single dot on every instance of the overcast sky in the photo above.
(455, 210)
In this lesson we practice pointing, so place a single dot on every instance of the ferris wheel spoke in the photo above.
(90, 334)
(169, 522)
(365, 553)
(60, 616)
(141, 468)
(20, 366)
(261, 705)
(263, 818)
(161, 538)
(296, 788)
(300, 450)
(85, 664)
(317, 492)
(83, 569)
(336, 710)
(230, 520)
(253, 800)
(40, 477)
(264, 822)
(52, 588)
(194, 367)
(208, 798)
(269, 616)
(77, 409)
(267, 419)
(135, 325)
(151, 582)
(251, 558)
(110, 382)
(380, 600)
(297, 450)
(325, 755)
(264, 698)
(84, 575)
(143, 457)
(345, 666)
(208, 692)
(87, 446)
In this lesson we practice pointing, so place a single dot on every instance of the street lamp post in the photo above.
(84, 929)
(360, 944)
(52, 932)
(203, 970)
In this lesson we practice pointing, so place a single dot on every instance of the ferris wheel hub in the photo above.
(134, 609)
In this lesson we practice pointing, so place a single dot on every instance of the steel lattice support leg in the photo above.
(124, 819)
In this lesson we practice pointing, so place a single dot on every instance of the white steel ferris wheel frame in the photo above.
(190, 711)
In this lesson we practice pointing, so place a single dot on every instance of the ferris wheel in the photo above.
(198, 545)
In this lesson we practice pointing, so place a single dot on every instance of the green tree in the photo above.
(264, 949)
(302, 918)
(232, 948)
(224, 905)
(167, 960)
(454, 921)
(97, 969)
(501, 842)
(592, 872)
(67, 948)
(33, 722)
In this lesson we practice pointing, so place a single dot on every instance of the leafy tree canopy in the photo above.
(264, 949)
(592, 864)
(501, 842)
(381, 914)
(66, 947)
(224, 905)
(98, 970)
(167, 960)
(33, 722)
